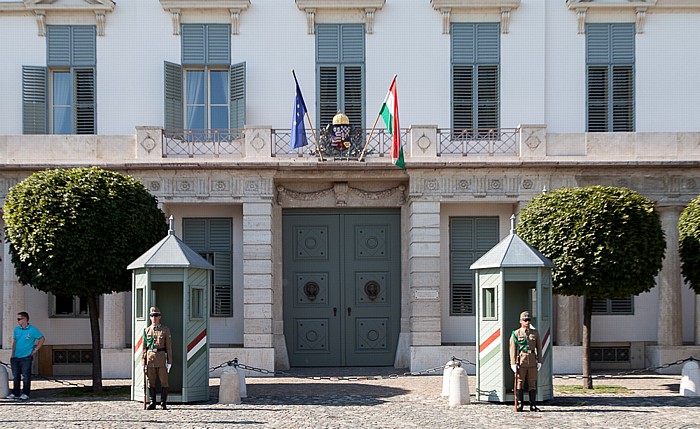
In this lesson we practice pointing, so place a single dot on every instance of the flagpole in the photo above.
(313, 133)
(373, 127)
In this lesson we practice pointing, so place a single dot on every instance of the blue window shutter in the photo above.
(487, 107)
(353, 94)
(84, 101)
(352, 45)
(193, 44)
(83, 45)
(173, 96)
(488, 43)
(597, 98)
(622, 98)
(218, 47)
(622, 43)
(238, 91)
(34, 100)
(598, 44)
(58, 45)
(328, 94)
(463, 43)
(462, 96)
(327, 43)
(194, 233)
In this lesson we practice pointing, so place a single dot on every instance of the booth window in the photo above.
(488, 303)
(212, 238)
(139, 304)
(68, 306)
(197, 303)
(614, 306)
(470, 239)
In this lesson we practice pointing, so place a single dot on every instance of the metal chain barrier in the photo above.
(632, 372)
(53, 380)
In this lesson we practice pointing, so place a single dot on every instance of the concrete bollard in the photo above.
(244, 389)
(230, 386)
(446, 373)
(459, 388)
(4, 377)
(690, 379)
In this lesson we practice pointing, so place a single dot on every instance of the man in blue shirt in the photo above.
(26, 342)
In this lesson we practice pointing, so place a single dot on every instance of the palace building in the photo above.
(347, 261)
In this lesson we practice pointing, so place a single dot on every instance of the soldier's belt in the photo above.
(527, 352)
(158, 350)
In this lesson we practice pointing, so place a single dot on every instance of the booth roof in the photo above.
(170, 252)
(512, 251)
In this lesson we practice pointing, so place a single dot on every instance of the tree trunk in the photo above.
(586, 342)
(94, 310)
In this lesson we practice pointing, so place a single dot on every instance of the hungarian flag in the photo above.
(390, 115)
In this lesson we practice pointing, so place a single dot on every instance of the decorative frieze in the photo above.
(177, 7)
(312, 8)
(341, 194)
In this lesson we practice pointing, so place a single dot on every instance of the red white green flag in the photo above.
(390, 114)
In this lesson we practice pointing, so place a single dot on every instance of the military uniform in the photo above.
(157, 356)
(525, 355)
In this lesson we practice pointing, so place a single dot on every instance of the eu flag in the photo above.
(298, 138)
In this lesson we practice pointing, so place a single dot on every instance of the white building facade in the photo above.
(341, 262)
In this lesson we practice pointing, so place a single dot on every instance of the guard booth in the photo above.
(511, 278)
(176, 279)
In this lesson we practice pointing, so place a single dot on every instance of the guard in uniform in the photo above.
(157, 357)
(526, 359)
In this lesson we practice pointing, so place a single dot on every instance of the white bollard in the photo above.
(230, 386)
(4, 377)
(446, 373)
(244, 389)
(690, 379)
(459, 388)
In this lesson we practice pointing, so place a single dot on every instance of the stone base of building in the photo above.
(662, 355)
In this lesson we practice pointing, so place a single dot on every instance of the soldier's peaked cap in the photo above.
(154, 310)
(524, 315)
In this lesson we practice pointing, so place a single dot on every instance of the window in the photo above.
(614, 306)
(206, 92)
(340, 65)
(470, 238)
(488, 303)
(197, 303)
(60, 98)
(610, 77)
(140, 313)
(212, 238)
(475, 76)
(68, 306)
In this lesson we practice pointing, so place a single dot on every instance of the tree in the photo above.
(689, 243)
(72, 232)
(607, 242)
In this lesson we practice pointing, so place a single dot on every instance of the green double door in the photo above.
(342, 287)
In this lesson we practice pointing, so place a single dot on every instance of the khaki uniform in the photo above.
(526, 356)
(156, 343)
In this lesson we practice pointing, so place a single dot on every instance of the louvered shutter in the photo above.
(327, 43)
(352, 43)
(34, 100)
(58, 46)
(173, 96)
(353, 94)
(488, 40)
(220, 245)
(462, 97)
(83, 46)
(614, 306)
(218, 47)
(622, 98)
(328, 94)
(84, 100)
(598, 98)
(193, 42)
(470, 238)
(487, 97)
(238, 91)
(194, 233)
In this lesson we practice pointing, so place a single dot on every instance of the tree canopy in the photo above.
(74, 231)
(689, 243)
(607, 242)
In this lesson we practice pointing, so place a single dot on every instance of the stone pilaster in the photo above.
(424, 273)
(670, 316)
(12, 298)
(568, 322)
(114, 321)
(257, 274)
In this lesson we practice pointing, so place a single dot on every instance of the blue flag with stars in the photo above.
(298, 138)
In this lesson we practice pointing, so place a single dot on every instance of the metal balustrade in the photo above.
(378, 146)
(478, 141)
(219, 142)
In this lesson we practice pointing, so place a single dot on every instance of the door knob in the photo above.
(335, 311)
(349, 311)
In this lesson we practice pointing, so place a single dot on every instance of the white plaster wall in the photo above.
(462, 329)
(222, 330)
(57, 330)
(642, 326)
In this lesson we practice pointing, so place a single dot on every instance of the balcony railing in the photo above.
(378, 146)
(227, 142)
(477, 141)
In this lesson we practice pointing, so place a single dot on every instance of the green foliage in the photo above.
(607, 242)
(74, 231)
(689, 243)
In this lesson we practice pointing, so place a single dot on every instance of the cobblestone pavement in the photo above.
(404, 402)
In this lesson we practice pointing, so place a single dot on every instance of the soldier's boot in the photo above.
(152, 394)
(164, 398)
(519, 394)
(533, 400)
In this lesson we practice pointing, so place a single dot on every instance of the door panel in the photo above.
(341, 288)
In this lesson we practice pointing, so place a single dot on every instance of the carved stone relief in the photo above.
(341, 194)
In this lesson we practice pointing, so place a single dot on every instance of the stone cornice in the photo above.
(40, 8)
(177, 7)
(502, 7)
(366, 7)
